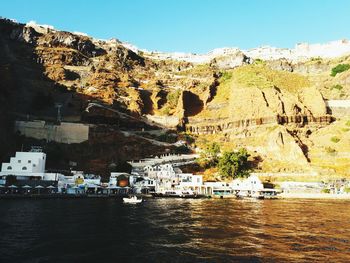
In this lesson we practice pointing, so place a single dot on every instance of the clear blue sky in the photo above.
(192, 25)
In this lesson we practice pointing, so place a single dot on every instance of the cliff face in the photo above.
(228, 93)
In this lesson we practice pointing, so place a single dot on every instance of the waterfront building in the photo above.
(188, 181)
(142, 184)
(252, 187)
(28, 166)
(79, 183)
(218, 188)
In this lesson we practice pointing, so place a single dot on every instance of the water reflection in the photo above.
(175, 230)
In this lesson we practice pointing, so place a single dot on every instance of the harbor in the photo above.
(25, 176)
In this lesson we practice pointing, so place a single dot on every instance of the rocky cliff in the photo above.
(232, 95)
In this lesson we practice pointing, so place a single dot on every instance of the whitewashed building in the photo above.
(218, 188)
(251, 187)
(28, 166)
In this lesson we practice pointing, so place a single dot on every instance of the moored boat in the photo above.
(132, 200)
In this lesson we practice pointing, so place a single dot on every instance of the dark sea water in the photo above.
(174, 230)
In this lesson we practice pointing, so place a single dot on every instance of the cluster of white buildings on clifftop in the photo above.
(301, 52)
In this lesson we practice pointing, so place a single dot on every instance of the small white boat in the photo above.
(132, 200)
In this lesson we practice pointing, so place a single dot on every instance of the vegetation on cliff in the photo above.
(339, 69)
(234, 163)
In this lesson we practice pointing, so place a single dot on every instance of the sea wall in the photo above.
(64, 133)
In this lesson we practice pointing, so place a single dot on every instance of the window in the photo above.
(29, 161)
(19, 161)
(34, 165)
(24, 168)
(9, 167)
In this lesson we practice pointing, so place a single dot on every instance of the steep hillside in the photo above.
(272, 105)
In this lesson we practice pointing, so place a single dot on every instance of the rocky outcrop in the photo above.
(248, 103)
(231, 60)
(62, 56)
(65, 39)
(313, 101)
(318, 67)
(280, 64)
(158, 98)
(282, 146)
(124, 58)
(24, 34)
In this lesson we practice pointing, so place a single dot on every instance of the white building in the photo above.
(218, 188)
(251, 187)
(252, 183)
(28, 166)
(187, 180)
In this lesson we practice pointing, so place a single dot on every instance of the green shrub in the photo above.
(347, 123)
(335, 139)
(209, 157)
(338, 87)
(234, 164)
(330, 150)
(225, 76)
(339, 68)
(259, 61)
(345, 129)
(347, 190)
(325, 191)
(165, 110)
(316, 59)
(173, 98)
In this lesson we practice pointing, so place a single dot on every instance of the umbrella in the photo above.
(13, 186)
(1, 186)
(26, 186)
(51, 187)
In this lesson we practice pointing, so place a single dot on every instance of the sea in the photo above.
(174, 230)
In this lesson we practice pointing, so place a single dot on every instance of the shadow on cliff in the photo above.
(27, 94)
(192, 104)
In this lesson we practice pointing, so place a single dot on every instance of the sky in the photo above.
(195, 26)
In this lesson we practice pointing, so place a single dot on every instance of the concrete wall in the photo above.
(64, 133)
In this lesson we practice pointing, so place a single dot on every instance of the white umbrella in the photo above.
(26, 186)
(51, 187)
(1, 186)
(13, 186)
